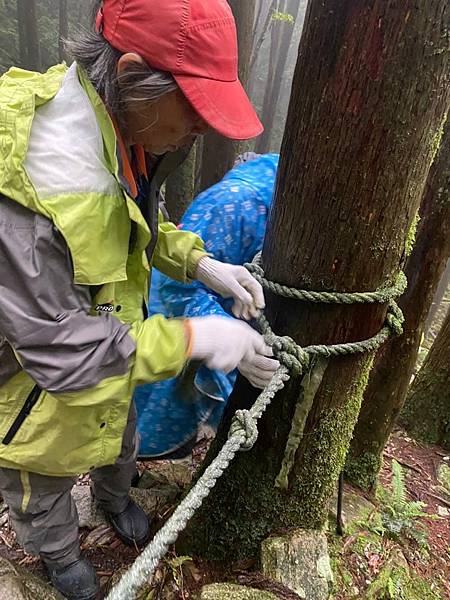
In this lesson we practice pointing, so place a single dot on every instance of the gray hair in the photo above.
(99, 59)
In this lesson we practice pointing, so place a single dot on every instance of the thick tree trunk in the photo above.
(427, 410)
(389, 381)
(282, 34)
(29, 35)
(219, 153)
(63, 29)
(180, 187)
(368, 101)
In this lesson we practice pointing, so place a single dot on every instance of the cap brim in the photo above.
(224, 105)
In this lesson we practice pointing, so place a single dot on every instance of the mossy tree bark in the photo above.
(365, 111)
(427, 411)
(389, 381)
(219, 153)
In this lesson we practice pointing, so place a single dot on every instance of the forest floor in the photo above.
(375, 561)
(369, 561)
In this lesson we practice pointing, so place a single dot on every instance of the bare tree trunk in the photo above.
(389, 381)
(427, 410)
(437, 300)
(180, 187)
(368, 101)
(259, 5)
(23, 50)
(219, 153)
(275, 43)
(28, 33)
(263, 33)
(284, 35)
(63, 29)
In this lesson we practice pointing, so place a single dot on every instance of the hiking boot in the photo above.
(131, 525)
(77, 581)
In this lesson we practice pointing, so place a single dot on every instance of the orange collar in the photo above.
(127, 169)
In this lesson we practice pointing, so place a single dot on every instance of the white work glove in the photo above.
(224, 344)
(259, 371)
(232, 281)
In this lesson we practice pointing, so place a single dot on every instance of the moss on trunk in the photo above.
(427, 411)
(248, 507)
(388, 385)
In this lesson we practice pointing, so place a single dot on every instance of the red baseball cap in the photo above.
(195, 41)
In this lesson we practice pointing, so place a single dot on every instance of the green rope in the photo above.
(297, 358)
(294, 360)
(381, 296)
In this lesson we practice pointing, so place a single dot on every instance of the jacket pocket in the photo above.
(28, 406)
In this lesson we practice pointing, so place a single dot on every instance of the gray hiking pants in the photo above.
(42, 510)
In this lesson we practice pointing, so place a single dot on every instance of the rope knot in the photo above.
(395, 318)
(290, 354)
(244, 423)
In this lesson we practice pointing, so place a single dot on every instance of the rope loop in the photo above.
(244, 424)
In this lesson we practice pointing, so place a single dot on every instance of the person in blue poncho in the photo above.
(231, 218)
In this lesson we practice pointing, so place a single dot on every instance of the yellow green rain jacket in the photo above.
(73, 279)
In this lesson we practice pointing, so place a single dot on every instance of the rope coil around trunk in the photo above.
(381, 296)
(244, 430)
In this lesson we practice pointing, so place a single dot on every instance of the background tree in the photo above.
(63, 28)
(389, 381)
(23, 46)
(282, 34)
(427, 410)
(262, 27)
(44, 19)
(437, 300)
(367, 104)
(180, 186)
(219, 153)
(28, 27)
(267, 57)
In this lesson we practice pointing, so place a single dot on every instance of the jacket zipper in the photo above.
(30, 402)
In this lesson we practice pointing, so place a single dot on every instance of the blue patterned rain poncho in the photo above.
(231, 218)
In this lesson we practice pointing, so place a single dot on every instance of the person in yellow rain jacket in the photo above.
(79, 231)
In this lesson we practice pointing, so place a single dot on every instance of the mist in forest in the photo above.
(349, 234)
(277, 30)
(31, 34)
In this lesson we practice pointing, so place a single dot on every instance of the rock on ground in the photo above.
(300, 561)
(355, 508)
(443, 476)
(230, 591)
(17, 584)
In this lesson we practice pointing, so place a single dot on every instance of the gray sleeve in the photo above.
(44, 315)
(8, 362)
